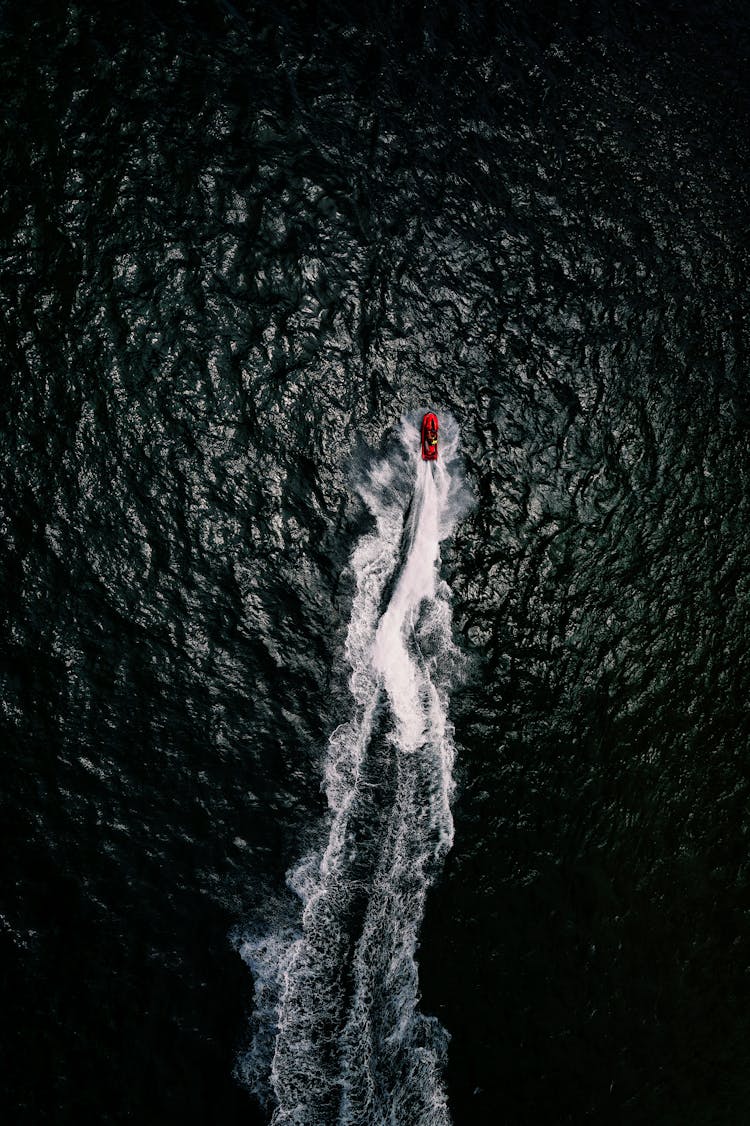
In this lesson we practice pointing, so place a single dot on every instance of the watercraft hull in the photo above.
(429, 437)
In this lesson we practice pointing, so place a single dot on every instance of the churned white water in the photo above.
(338, 1036)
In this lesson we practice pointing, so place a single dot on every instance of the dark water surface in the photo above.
(239, 243)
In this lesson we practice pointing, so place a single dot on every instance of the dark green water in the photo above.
(239, 244)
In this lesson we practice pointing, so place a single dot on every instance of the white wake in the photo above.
(338, 1037)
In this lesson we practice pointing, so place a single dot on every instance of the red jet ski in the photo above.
(429, 437)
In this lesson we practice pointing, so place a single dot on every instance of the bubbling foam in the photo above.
(337, 1034)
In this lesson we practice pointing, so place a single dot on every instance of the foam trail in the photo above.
(337, 1033)
(392, 1056)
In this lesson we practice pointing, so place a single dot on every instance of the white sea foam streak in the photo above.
(338, 1035)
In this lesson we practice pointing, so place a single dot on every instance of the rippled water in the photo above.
(240, 244)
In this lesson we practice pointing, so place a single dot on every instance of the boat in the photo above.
(429, 437)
